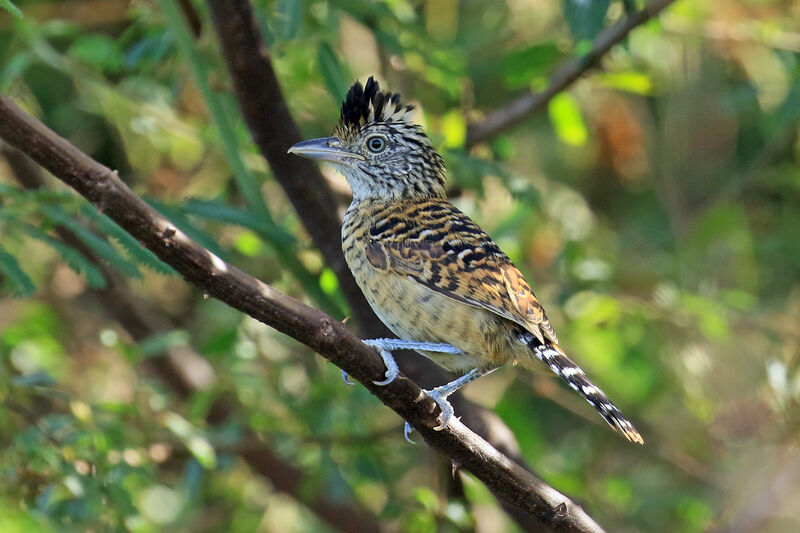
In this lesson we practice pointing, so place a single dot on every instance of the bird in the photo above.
(430, 273)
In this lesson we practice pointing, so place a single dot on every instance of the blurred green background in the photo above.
(654, 206)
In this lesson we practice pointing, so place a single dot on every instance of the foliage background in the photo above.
(655, 206)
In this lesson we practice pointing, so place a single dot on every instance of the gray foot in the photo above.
(385, 347)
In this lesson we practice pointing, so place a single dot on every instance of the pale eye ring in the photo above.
(376, 144)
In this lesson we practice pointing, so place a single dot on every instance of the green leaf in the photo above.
(585, 18)
(216, 210)
(192, 438)
(328, 281)
(99, 245)
(11, 8)
(567, 119)
(288, 16)
(71, 256)
(631, 81)
(137, 252)
(15, 66)
(454, 129)
(97, 50)
(176, 216)
(37, 379)
(248, 243)
(332, 72)
(522, 67)
(159, 343)
(17, 281)
(427, 498)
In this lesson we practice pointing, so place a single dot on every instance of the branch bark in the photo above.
(185, 371)
(530, 102)
(546, 508)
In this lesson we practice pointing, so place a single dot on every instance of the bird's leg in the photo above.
(385, 347)
(439, 394)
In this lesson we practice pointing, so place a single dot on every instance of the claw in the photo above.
(389, 379)
(407, 429)
(444, 405)
(346, 379)
(392, 370)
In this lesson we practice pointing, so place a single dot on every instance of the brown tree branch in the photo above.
(547, 508)
(530, 102)
(185, 371)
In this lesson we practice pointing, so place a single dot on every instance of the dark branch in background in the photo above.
(546, 508)
(191, 16)
(530, 102)
(185, 371)
(274, 131)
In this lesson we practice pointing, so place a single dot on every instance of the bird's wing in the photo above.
(435, 244)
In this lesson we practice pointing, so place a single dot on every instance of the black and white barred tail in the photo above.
(561, 365)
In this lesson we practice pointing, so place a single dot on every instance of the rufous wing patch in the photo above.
(528, 306)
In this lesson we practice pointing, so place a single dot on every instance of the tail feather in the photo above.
(562, 366)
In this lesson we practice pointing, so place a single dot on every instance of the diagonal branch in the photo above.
(530, 102)
(545, 507)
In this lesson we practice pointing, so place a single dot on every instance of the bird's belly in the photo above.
(414, 312)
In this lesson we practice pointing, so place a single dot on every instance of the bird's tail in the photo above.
(552, 356)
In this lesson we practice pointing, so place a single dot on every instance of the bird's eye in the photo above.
(376, 144)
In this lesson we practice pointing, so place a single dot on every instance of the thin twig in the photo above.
(512, 484)
(531, 102)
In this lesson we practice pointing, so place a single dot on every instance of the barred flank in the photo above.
(576, 378)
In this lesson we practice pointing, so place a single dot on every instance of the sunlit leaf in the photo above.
(328, 281)
(630, 81)
(248, 243)
(567, 120)
(191, 437)
(454, 129)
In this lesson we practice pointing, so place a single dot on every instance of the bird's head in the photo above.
(378, 148)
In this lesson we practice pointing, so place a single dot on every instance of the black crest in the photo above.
(369, 103)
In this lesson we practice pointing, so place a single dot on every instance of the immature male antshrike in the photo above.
(429, 272)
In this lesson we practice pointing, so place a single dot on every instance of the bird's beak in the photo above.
(324, 149)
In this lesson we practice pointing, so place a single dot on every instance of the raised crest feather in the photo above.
(367, 104)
